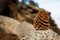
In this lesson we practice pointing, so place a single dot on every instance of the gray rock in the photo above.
(42, 35)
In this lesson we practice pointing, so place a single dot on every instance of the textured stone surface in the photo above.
(42, 35)
(26, 31)
(9, 25)
(15, 27)
(7, 36)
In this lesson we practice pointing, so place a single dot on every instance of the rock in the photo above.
(58, 38)
(42, 35)
(10, 25)
(13, 26)
(7, 36)
(24, 30)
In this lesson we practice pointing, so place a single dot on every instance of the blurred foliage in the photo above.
(53, 25)
(30, 2)
(24, 1)
(33, 3)
(52, 22)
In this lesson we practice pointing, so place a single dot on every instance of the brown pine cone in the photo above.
(41, 21)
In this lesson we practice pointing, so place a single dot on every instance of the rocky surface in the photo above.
(9, 25)
(26, 31)
(41, 35)
(13, 26)
(7, 36)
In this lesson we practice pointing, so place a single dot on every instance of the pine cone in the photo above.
(41, 21)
